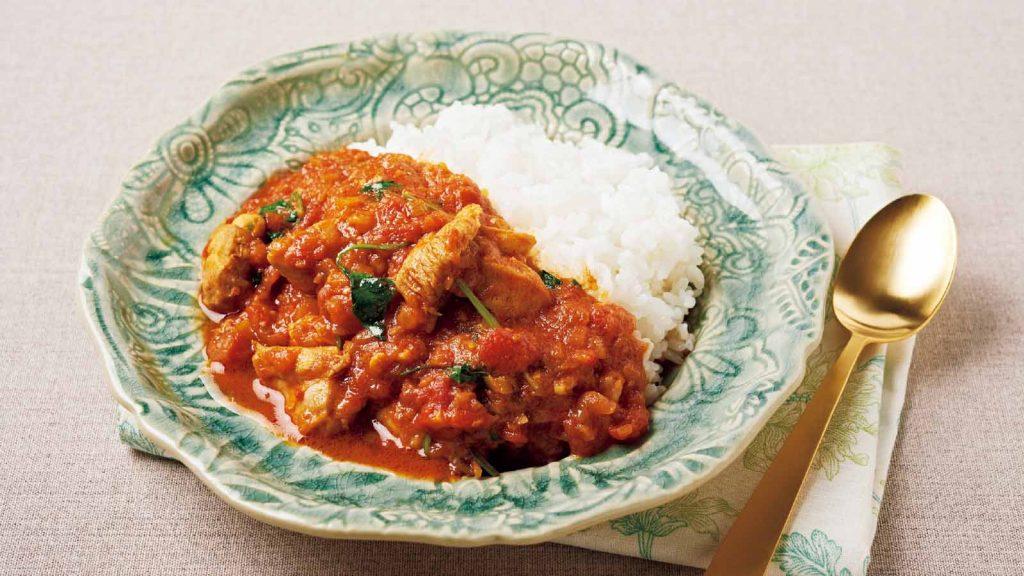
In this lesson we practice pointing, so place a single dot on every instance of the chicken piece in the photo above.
(296, 255)
(231, 255)
(305, 377)
(508, 240)
(507, 286)
(430, 269)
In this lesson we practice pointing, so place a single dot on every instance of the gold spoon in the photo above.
(890, 284)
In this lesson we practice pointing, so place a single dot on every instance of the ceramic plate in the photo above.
(768, 262)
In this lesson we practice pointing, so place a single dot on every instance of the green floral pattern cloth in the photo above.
(834, 524)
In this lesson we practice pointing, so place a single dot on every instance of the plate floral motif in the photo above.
(768, 262)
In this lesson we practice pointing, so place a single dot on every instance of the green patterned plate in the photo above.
(768, 261)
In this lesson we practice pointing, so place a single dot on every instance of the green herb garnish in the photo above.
(276, 207)
(256, 277)
(463, 373)
(549, 279)
(434, 205)
(378, 188)
(491, 470)
(371, 296)
(489, 318)
(426, 445)
(292, 210)
(351, 247)
(576, 283)
(286, 208)
(412, 370)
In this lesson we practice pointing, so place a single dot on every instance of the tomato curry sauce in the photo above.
(377, 309)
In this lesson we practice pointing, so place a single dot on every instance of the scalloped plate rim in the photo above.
(423, 535)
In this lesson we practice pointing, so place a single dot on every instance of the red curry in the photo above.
(400, 322)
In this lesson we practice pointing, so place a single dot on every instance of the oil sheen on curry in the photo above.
(378, 310)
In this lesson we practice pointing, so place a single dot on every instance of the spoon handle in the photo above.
(748, 547)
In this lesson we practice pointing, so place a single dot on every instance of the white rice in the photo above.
(601, 215)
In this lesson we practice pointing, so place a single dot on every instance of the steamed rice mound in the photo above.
(601, 215)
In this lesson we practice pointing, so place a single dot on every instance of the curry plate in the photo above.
(768, 262)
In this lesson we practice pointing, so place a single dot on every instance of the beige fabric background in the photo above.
(86, 87)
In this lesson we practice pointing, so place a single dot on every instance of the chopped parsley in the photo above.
(426, 445)
(485, 465)
(371, 296)
(463, 373)
(276, 207)
(549, 279)
(357, 246)
(378, 188)
(256, 277)
(489, 318)
(291, 209)
(430, 204)
(412, 370)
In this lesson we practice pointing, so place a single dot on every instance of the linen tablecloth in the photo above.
(834, 524)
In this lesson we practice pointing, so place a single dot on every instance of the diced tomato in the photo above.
(508, 351)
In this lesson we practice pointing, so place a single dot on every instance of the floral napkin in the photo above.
(835, 520)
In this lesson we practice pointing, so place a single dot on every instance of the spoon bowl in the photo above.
(898, 269)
